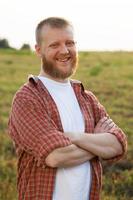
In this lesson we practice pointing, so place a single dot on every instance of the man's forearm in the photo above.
(104, 145)
(68, 156)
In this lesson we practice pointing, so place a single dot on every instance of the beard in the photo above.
(55, 72)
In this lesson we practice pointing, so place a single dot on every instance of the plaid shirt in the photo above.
(36, 130)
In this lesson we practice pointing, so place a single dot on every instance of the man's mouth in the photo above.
(66, 59)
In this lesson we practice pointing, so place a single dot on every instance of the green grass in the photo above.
(109, 75)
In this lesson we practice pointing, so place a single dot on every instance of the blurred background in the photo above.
(104, 35)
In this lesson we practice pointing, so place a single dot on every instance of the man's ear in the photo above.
(38, 50)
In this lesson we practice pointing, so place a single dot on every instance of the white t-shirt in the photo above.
(72, 183)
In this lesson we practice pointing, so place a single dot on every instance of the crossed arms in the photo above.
(86, 146)
(36, 134)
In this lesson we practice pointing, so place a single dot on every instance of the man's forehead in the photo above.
(53, 32)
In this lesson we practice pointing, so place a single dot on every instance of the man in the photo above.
(60, 131)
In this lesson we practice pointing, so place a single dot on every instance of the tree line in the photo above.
(4, 44)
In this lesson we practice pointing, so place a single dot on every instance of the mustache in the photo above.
(64, 55)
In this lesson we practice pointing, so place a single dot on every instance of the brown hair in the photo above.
(53, 22)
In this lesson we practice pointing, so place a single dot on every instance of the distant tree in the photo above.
(25, 47)
(4, 43)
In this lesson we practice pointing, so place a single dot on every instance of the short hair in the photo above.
(53, 22)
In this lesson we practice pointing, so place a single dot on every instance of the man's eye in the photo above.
(70, 43)
(54, 45)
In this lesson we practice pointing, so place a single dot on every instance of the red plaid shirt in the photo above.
(35, 128)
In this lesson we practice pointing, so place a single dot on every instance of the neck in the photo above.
(42, 73)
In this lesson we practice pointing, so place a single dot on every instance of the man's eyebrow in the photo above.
(53, 43)
(71, 40)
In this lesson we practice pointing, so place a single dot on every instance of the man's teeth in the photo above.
(63, 60)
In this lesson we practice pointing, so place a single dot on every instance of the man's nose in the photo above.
(64, 49)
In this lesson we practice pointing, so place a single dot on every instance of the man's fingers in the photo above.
(102, 121)
(107, 123)
(104, 125)
(109, 126)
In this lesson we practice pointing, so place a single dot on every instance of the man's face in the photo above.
(58, 52)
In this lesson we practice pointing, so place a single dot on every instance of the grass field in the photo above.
(109, 75)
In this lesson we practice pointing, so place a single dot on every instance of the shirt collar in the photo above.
(76, 84)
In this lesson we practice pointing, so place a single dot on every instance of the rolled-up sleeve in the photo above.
(121, 137)
(33, 130)
(99, 113)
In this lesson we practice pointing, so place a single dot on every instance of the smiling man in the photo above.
(60, 131)
(56, 47)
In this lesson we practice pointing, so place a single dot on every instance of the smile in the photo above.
(64, 59)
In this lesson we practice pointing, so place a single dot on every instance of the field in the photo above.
(109, 75)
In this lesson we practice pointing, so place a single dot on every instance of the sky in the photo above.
(99, 24)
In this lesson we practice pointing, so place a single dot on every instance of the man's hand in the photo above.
(102, 143)
(104, 125)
